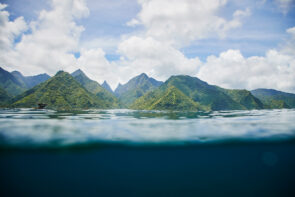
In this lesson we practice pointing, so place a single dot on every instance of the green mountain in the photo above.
(4, 97)
(244, 97)
(203, 95)
(135, 88)
(60, 92)
(15, 83)
(182, 92)
(274, 99)
(95, 88)
(30, 81)
(106, 86)
(167, 99)
(10, 84)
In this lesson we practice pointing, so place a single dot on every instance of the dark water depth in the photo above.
(222, 170)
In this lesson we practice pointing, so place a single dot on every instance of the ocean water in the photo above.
(147, 153)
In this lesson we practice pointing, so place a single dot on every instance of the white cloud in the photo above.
(169, 25)
(97, 67)
(231, 69)
(9, 30)
(108, 44)
(157, 59)
(53, 38)
(291, 31)
(179, 22)
(51, 42)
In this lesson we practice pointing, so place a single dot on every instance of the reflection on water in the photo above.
(29, 127)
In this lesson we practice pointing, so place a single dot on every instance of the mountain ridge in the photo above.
(14, 83)
(106, 86)
(30, 81)
(207, 96)
(274, 98)
(135, 88)
(10, 84)
(96, 89)
(179, 92)
(61, 92)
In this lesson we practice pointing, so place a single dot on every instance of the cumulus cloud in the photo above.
(179, 22)
(168, 26)
(155, 58)
(235, 22)
(108, 44)
(97, 67)
(9, 30)
(231, 69)
(170, 22)
(52, 39)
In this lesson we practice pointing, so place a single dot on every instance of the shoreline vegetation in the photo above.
(76, 91)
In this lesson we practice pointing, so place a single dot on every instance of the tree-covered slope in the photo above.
(15, 83)
(10, 84)
(135, 88)
(244, 97)
(4, 98)
(205, 94)
(275, 99)
(77, 91)
(207, 97)
(60, 92)
(95, 88)
(167, 99)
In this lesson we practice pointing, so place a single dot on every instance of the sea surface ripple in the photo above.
(48, 128)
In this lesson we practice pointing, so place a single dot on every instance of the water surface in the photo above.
(46, 128)
(147, 153)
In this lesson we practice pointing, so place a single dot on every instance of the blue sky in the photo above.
(265, 29)
(111, 38)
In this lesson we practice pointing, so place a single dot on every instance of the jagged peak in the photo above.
(61, 72)
(105, 83)
(17, 72)
(143, 75)
(78, 72)
(107, 86)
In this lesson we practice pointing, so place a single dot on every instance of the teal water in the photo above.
(46, 128)
(147, 153)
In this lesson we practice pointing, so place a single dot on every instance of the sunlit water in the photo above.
(47, 128)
